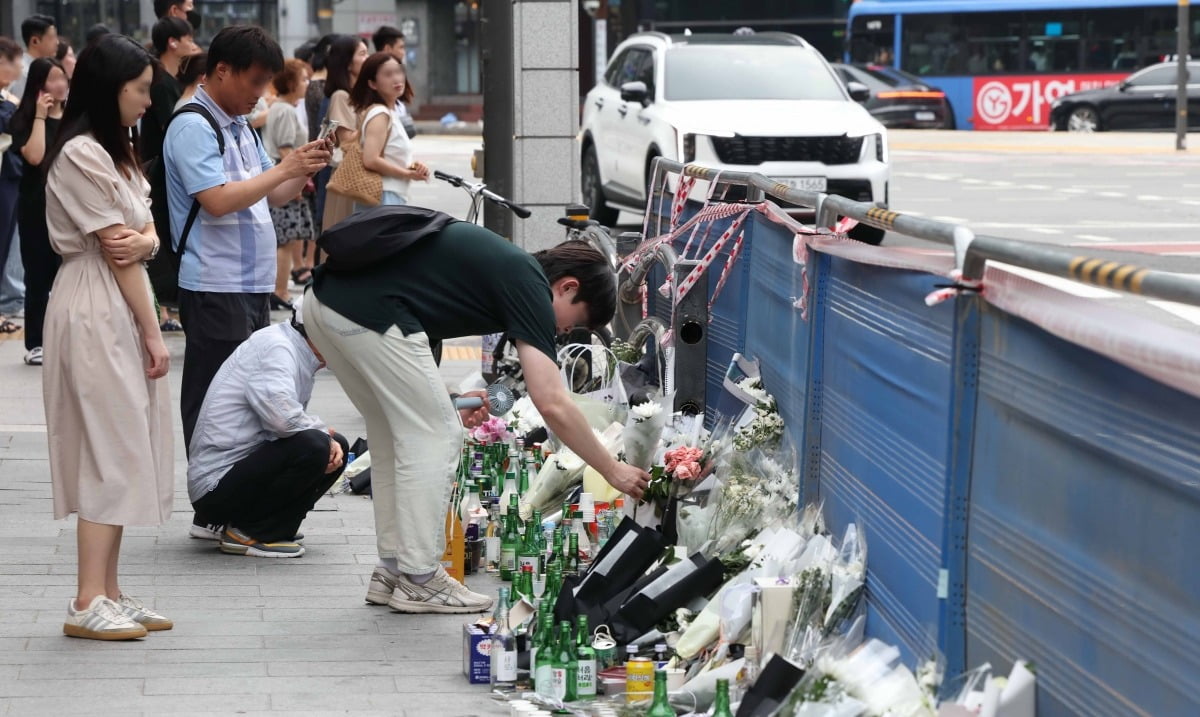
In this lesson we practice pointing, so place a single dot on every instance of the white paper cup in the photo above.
(676, 679)
(517, 708)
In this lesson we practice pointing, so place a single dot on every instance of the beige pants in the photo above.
(413, 431)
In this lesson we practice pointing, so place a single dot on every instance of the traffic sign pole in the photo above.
(1181, 97)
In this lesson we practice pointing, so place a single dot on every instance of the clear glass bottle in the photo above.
(510, 494)
(504, 648)
(492, 537)
(660, 656)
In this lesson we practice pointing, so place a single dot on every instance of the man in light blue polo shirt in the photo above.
(227, 271)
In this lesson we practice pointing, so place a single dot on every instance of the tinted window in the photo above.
(748, 73)
(613, 72)
(631, 69)
(1164, 75)
(644, 72)
(874, 82)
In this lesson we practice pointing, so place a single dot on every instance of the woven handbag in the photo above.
(352, 179)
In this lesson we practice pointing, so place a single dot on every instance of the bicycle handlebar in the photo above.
(484, 192)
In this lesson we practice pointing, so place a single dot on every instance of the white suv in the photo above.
(766, 103)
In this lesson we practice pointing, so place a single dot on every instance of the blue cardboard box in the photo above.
(477, 654)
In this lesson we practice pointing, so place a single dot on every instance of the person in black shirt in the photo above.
(34, 131)
(173, 41)
(173, 44)
(374, 328)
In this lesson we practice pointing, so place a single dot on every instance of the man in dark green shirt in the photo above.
(374, 327)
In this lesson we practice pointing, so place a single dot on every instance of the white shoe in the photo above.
(383, 584)
(102, 620)
(34, 356)
(441, 594)
(142, 615)
(206, 531)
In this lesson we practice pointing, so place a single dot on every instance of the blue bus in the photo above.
(1002, 62)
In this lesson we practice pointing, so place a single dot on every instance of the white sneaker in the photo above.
(102, 620)
(206, 531)
(441, 594)
(142, 615)
(34, 357)
(383, 584)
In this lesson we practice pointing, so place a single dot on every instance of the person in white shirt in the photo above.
(41, 40)
(389, 39)
(387, 149)
(260, 460)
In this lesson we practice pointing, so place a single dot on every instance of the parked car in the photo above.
(898, 99)
(1144, 100)
(766, 103)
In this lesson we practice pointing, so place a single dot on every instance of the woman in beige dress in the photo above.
(107, 411)
(346, 57)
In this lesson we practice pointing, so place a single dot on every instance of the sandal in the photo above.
(306, 272)
(171, 325)
(8, 327)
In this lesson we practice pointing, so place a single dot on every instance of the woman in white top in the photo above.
(283, 133)
(386, 147)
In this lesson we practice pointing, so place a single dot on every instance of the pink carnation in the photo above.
(493, 430)
(683, 454)
(688, 470)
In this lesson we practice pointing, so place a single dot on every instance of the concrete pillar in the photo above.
(546, 117)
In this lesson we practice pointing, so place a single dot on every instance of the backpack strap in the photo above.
(197, 108)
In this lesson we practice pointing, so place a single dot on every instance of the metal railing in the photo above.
(1131, 272)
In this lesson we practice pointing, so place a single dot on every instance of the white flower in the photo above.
(754, 387)
(645, 411)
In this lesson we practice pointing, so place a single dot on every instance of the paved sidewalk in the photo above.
(252, 636)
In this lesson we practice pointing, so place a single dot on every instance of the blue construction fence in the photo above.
(1023, 497)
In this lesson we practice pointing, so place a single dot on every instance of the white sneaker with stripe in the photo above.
(143, 615)
(103, 619)
(440, 594)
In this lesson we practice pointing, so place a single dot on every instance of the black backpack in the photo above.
(164, 269)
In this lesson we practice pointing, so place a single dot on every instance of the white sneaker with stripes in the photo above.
(103, 619)
(143, 615)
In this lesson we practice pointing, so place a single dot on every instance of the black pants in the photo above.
(267, 494)
(41, 265)
(214, 326)
(8, 218)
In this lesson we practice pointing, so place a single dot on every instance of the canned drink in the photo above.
(639, 679)
(605, 647)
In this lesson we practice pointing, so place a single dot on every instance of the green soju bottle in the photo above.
(527, 554)
(509, 542)
(545, 616)
(557, 551)
(539, 542)
(566, 665)
(572, 564)
(543, 671)
(661, 706)
(721, 707)
(585, 656)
